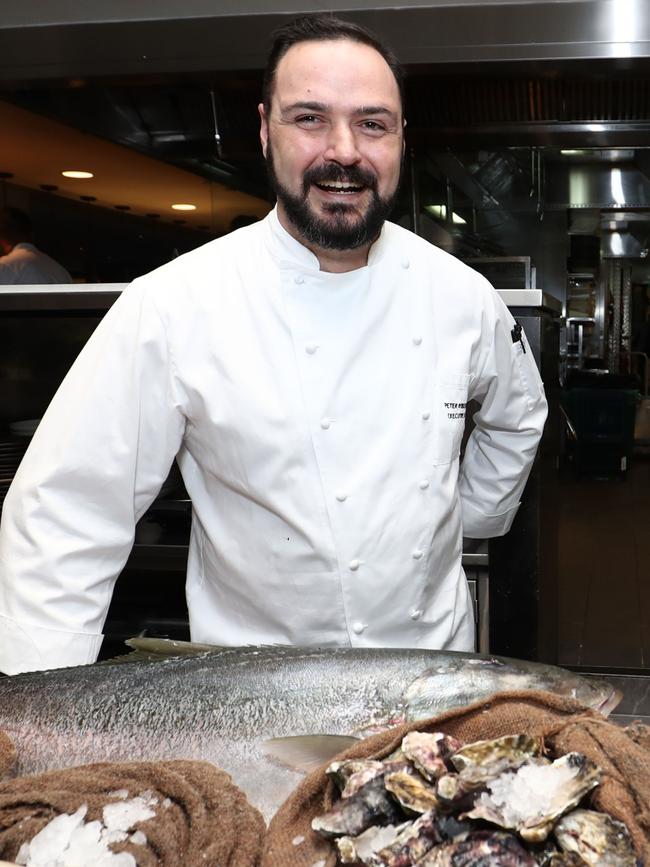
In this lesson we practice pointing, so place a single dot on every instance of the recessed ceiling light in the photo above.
(182, 207)
(74, 173)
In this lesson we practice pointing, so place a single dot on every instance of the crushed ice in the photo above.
(68, 841)
(529, 792)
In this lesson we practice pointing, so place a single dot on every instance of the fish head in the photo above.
(463, 679)
(598, 694)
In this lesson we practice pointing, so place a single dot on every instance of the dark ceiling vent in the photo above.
(471, 101)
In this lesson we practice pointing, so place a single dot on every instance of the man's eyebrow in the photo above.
(323, 107)
(375, 109)
(306, 106)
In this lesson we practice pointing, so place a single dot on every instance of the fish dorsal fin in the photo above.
(167, 646)
(151, 649)
(306, 752)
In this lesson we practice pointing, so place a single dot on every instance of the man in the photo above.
(311, 373)
(20, 261)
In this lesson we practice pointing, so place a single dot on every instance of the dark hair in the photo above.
(15, 225)
(322, 27)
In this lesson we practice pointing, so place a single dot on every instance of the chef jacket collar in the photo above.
(293, 254)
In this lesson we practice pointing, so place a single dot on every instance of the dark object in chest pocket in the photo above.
(450, 419)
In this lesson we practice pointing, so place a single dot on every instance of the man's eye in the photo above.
(308, 119)
(373, 126)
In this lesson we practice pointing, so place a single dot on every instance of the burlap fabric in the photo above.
(7, 756)
(202, 819)
(564, 725)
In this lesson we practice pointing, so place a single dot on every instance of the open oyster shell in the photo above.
(531, 799)
(484, 760)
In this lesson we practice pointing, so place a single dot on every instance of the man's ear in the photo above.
(403, 137)
(264, 128)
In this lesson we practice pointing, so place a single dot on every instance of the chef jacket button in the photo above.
(417, 554)
(354, 565)
(415, 614)
(341, 497)
(417, 340)
(358, 627)
(311, 348)
(424, 484)
(325, 423)
(299, 279)
(426, 415)
(406, 263)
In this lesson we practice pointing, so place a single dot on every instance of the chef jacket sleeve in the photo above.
(97, 460)
(509, 425)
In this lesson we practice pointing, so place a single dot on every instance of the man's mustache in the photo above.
(334, 173)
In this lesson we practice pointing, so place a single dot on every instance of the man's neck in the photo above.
(333, 261)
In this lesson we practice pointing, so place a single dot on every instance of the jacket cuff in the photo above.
(477, 525)
(26, 647)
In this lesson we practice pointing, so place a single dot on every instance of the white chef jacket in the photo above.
(317, 420)
(25, 264)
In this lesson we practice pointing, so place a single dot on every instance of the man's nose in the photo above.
(342, 146)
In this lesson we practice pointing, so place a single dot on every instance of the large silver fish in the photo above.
(226, 706)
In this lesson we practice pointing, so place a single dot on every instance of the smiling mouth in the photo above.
(338, 187)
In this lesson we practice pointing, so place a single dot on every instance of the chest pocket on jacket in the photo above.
(450, 402)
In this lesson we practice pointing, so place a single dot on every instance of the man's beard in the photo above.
(343, 228)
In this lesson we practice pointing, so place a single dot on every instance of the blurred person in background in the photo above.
(21, 262)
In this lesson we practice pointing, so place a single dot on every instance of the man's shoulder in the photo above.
(410, 244)
(201, 267)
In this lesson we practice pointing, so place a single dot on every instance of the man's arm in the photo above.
(97, 460)
(502, 446)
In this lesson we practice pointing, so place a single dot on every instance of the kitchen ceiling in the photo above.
(34, 150)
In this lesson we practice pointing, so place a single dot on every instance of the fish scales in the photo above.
(224, 705)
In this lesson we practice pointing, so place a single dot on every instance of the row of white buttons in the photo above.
(311, 348)
(358, 627)
(353, 565)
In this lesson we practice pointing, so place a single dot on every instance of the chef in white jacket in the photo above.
(311, 374)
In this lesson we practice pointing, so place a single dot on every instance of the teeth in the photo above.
(337, 185)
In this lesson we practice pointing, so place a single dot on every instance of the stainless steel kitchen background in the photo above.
(528, 136)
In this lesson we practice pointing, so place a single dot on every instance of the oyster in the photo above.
(412, 792)
(548, 854)
(352, 775)
(455, 793)
(430, 753)
(411, 845)
(597, 838)
(482, 847)
(341, 772)
(351, 850)
(485, 760)
(530, 799)
(347, 850)
(371, 805)
(564, 859)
